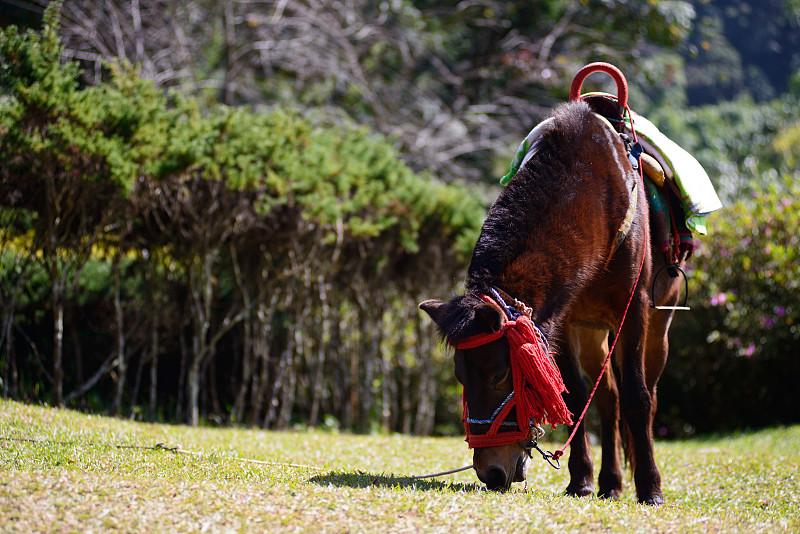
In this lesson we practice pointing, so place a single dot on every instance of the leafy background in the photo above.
(225, 212)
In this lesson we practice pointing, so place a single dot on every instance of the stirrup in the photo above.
(672, 267)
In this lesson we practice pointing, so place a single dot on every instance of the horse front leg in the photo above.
(594, 349)
(636, 403)
(610, 478)
(581, 469)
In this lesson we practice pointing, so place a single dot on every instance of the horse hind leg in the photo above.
(594, 349)
(637, 403)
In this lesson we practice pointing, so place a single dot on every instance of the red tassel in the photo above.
(537, 381)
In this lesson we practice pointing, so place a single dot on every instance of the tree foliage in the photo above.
(239, 221)
(742, 48)
(205, 213)
(742, 369)
(454, 84)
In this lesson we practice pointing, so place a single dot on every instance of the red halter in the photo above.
(537, 384)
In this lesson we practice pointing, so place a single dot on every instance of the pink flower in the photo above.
(719, 299)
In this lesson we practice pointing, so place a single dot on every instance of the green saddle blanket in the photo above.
(697, 193)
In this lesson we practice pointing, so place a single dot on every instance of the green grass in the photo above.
(62, 471)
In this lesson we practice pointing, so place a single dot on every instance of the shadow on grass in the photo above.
(366, 480)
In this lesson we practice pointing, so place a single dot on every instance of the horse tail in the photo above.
(626, 439)
(628, 457)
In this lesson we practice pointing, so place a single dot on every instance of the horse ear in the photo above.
(433, 308)
(489, 316)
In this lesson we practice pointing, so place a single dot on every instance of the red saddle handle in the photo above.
(608, 68)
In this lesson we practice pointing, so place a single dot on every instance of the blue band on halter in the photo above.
(512, 313)
(494, 415)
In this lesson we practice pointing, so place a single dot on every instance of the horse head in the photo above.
(482, 357)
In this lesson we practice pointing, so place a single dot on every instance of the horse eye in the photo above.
(498, 379)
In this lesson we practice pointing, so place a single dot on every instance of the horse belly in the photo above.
(592, 312)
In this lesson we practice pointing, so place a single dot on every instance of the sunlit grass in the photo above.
(65, 471)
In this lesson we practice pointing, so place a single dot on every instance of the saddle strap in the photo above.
(622, 233)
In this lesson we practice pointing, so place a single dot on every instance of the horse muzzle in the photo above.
(498, 467)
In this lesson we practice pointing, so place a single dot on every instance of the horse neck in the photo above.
(522, 255)
(551, 230)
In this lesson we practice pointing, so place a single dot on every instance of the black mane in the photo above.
(543, 181)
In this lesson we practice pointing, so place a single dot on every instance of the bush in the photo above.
(735, 358)
(253, 260)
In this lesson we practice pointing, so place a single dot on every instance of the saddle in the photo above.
(679, 191)
(665, 208)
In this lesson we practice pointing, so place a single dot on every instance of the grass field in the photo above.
(61, 471)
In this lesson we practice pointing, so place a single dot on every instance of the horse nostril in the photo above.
(495, 478)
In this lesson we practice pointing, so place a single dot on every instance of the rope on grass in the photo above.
(450, 472)
(178, 450)
(161, 447)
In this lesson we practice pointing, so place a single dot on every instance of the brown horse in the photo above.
(551, 241)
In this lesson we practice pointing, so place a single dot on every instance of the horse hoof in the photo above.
(611, 495)
(583, 490)
(653, 500)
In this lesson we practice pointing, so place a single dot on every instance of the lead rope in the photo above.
(560, 452)
(450, 472)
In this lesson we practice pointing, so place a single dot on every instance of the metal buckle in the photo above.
(537, 433)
